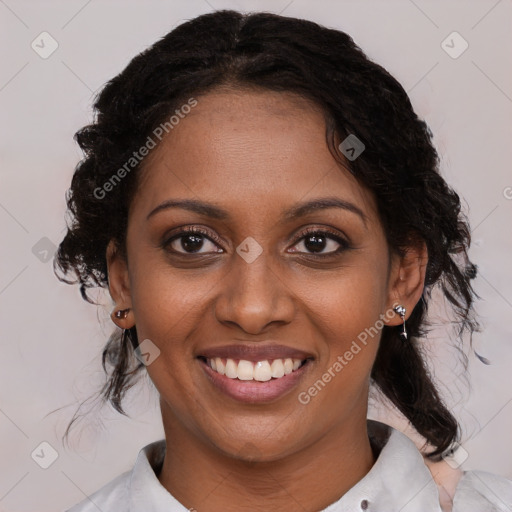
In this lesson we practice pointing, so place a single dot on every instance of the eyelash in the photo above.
(333, 235)
(344, 244)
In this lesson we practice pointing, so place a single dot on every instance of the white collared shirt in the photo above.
(399, 481)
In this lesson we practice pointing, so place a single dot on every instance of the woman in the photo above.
(266, 210)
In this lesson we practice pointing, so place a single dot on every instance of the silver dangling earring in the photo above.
(401, 311)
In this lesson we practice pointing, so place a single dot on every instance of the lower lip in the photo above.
(252, 391)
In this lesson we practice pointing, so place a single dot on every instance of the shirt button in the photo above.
(364, 504)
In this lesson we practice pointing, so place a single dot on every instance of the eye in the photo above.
(315, 241)
(193, 240)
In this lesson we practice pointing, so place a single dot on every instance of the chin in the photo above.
(258, 447)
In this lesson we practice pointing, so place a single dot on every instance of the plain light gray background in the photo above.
(52, 340)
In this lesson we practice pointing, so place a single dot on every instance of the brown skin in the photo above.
(255, 154)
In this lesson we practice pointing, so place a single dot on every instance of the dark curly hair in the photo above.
(399, 165)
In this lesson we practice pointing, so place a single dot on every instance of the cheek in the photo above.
(167, 309)
(348, 312)
(166, 300)
(352, 300)
(352, 332)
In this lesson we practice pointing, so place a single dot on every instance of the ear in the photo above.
(119, 285)
(407, 280)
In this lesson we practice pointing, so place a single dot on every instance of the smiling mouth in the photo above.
(262, 371)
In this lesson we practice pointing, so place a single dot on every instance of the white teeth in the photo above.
(220, 366)
(277, 368)
(231, 369)
(247, 370)
(262, 371)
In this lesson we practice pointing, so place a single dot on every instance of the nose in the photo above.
(254, 296)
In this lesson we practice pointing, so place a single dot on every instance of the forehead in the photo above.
(251, 151)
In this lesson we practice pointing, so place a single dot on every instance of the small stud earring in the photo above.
(121, 313)
(401, 311)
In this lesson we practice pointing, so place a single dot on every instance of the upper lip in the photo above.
(255, 352)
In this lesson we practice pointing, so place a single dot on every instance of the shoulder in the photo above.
(490, 492)
(110, 497)
(137, 489)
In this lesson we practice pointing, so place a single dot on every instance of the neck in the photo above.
(206, 480)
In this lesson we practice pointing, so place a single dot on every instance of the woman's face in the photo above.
(255, 284)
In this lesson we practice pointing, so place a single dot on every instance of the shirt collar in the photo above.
(399, 479)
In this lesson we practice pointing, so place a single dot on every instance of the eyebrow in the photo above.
(323, 203)
(298, 210)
